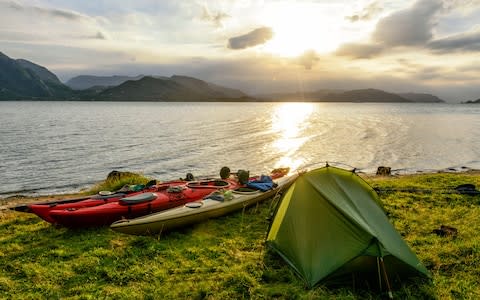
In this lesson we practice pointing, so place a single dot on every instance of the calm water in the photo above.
(51, 147)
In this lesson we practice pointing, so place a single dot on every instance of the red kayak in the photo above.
(43, 209)
(165, 197)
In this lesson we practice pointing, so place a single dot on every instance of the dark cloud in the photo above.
(359, 50)
(465, 42)
(216, 18)
(367, 13)
(409, 27)
(51, 12)
(253, 38)
(308, 59)
(412, 26)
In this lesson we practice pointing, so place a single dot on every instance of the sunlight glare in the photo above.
(289, 122)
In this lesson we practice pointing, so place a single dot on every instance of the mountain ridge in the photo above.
(357, 95)
(83, 82)
(174, 89)
(21, 79)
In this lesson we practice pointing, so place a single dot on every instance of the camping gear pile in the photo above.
(136, 201)
(215, 205)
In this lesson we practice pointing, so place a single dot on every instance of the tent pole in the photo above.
(390, 295)
(379, 274)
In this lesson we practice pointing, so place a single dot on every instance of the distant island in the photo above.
(473, 101)
(24, 80)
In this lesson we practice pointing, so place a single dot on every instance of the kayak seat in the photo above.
(220, 183)
(141, 198)
(209, 184)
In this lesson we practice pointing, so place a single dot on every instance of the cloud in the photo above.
(465, 42)
(367, 13)
(356, 50)
(308, 59)
(56, 13)
(216, 18)
(409, 27)
(253, 38)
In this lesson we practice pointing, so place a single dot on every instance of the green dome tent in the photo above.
(330, 227)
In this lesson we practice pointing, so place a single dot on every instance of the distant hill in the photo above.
(425, 98)
(360, 95)
(473, 101)
(98, 84)
(23, 80)
(365, 95)
(84, 82)
(228, 92)
(175, 88)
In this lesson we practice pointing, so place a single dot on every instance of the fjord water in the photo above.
(55, 147)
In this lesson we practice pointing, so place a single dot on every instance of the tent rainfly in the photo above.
(330, 227)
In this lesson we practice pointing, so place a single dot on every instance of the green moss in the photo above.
(225, 258)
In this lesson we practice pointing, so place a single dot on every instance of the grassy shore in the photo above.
(226, 258)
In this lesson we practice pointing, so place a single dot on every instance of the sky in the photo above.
(258, 46)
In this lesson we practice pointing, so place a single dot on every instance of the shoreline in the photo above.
(18, 199)
(224, 254)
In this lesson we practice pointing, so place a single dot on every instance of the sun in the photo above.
(301, 27)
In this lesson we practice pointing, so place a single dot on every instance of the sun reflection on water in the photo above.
(289, 122)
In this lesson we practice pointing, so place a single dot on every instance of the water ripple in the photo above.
(50, 147)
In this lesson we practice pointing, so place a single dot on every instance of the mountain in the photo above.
(424, 98)
(228, 92)
(24, 80)
(473, 101)
(97, 84)
(329, 95)
(42, 72)
(173, 89)
(360, 95)
(83, 82)
(365, 95)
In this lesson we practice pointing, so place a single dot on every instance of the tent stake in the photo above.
(390, 295)
(243, 213)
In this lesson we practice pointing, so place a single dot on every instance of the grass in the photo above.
(114, 183)
(226, 258)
